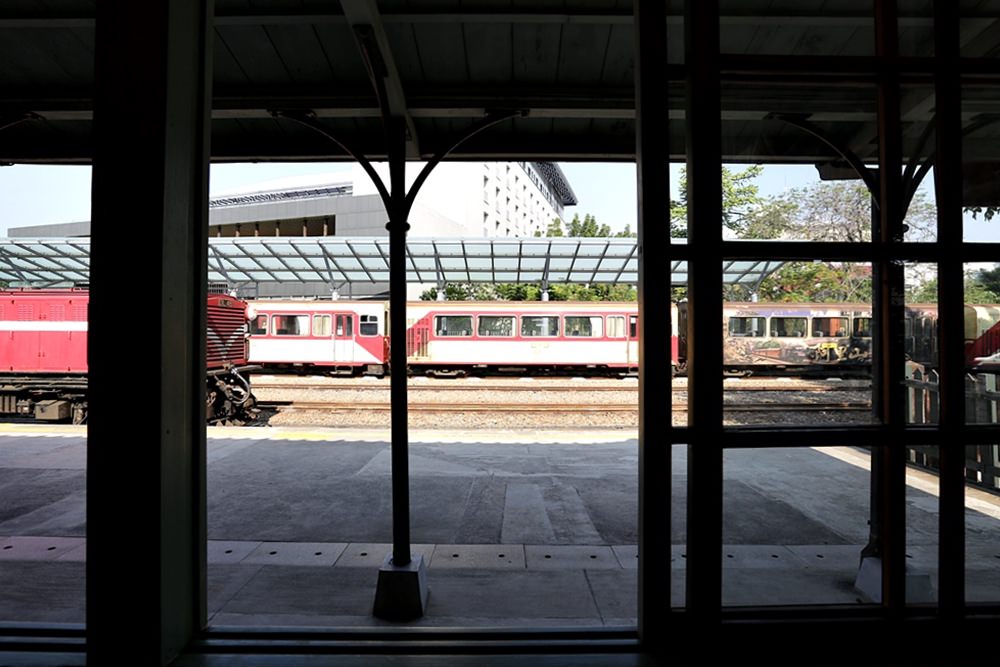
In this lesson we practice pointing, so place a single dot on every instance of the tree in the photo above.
(740, 197)
(819, 282)
(978, 289)
(830, 211)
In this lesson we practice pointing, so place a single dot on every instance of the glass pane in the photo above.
(922, 524)
(978, 25)
(258, 325)
(981, 163)
(920, 332)
(290, 325)
(493, 325)
(539, 325)
(917, 104)
(982, 523)
(321, 325)
(795, 521)
(797, 351)
(453, 325)
(770, 191)
(916, 27)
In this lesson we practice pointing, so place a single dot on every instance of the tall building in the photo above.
(458, 199)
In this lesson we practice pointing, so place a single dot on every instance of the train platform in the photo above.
(519, 529)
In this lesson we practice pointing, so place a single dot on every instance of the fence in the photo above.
(982, 400)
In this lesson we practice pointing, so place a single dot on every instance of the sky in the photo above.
(33, 194)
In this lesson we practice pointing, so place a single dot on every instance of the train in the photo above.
(460, 338)
(43, 357)
(43, 352)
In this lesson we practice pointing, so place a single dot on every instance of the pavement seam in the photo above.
(593, 596)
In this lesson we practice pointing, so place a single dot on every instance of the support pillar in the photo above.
(654, 252)
(146, 566)
(401, 593)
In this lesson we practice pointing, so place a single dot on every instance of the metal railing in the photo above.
(982, 406)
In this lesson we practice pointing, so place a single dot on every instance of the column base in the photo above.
(402, 592)
(869, 583)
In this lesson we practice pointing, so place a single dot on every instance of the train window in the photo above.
(591, 326)
(863, 327)
(539, 325)
(746, 326)
(835, 327)
(788, 327)
(321, 325)
(290, 325)
(369, 325)
(345, 325)
(496, 325)
(453, 325)
(616, 326)
(258, 325)
(633, 326)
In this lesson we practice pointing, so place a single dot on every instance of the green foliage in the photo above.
(740, 197)
(462, 292)
(989, 279)
(818, 282)
(980, 287)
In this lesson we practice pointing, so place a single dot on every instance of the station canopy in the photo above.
(51, 262)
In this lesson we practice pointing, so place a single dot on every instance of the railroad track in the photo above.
(541, 387)
(332, 406)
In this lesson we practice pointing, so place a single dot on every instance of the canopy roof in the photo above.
(344, 260)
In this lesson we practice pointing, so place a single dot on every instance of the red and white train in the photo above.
(43, 333)
(447, 338)
(43, 356)
(455, 338)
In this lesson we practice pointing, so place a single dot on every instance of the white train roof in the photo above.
(346, 259)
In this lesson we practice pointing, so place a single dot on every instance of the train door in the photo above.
(343, 338)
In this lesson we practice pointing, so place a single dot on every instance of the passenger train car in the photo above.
(787, 337)
(462, 337)
(344, 337)
(43, 356)
(456, 338)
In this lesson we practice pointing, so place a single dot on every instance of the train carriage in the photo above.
(783, 337)
(43, 356)
(339, 337)
(463, 337)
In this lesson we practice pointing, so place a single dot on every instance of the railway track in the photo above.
(544, 387)
(334, 406)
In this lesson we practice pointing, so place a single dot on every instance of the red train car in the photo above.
(43, 356)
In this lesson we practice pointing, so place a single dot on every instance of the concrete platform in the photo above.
(519, 529)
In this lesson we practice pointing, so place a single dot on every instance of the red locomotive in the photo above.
(43, 356)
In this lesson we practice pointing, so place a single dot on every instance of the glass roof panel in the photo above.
(364, 259)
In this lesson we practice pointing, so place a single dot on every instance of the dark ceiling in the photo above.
(565, 67)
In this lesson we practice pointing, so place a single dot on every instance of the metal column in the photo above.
(704, 181)
(948, 193)
(655, 415)
(889, 302)
(146, 456)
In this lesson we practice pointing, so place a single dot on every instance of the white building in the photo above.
(458, 199)
(486, 198)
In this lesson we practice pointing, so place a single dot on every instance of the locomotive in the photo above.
(43, 356)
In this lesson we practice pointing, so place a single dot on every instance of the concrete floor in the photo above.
(518, 529)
